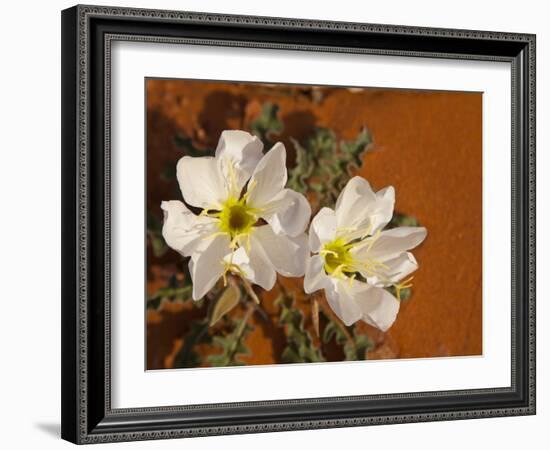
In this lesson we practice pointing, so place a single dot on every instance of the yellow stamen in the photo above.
(369, 266)
(251, 185)
(337, 258)
(349, 233)
(372, 240)
(230, 267)
(237, 218)
(341, 262)
(405, 284)
(236, 270)
(233, 187)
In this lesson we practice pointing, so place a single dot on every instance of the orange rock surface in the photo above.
(428, 145)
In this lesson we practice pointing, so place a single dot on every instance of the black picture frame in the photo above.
(87, 33)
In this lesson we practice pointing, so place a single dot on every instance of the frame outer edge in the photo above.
(289, 22)
(69, 292)
(532, 143)
(75, 237)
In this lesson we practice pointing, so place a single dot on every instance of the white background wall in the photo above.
(30, 222)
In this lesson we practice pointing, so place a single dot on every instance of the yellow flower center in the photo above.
(337, 258)
(339, 262)
(236, 217)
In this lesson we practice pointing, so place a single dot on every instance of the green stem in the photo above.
(240, 330)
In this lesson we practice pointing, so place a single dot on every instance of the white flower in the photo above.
(249, 225)
(348, 244)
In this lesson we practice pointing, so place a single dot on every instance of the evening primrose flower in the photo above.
(250, 225)
(354, 260)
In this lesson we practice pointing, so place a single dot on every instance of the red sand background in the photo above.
(427, 145)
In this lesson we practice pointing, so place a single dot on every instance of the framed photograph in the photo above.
(281, 224)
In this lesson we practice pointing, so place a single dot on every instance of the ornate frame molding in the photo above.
(86, 422)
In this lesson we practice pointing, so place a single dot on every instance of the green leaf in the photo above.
(290, 355)
(299, 343)
(357, 350)
(154, 233)
(357, 147)
(362, 344)
(405, 293)
(324, 167)
(303, 169)
(231, 344)
(169, 293)
(354, 349)
(402, 220)
(197, 334)
(221, 341)
(185, 144)
(267, 123)
(168, 172)
(154, 302)
(333, 331)
(227, 301)
(328, 333)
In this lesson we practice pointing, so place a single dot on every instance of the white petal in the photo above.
(240, 150)
(286, 254)
(379, 308)
(201, 181)
(254, 268)
(322, 229)
(395, 270)
(359, 210)
(354, 300)
(353, 202)
(240, 258)
(288, 213)
(342, 299)
(316, 278)
(255, 265)
(207, 266)
(184, 231)
(382, 211)
(390, 244)
(269, 177)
